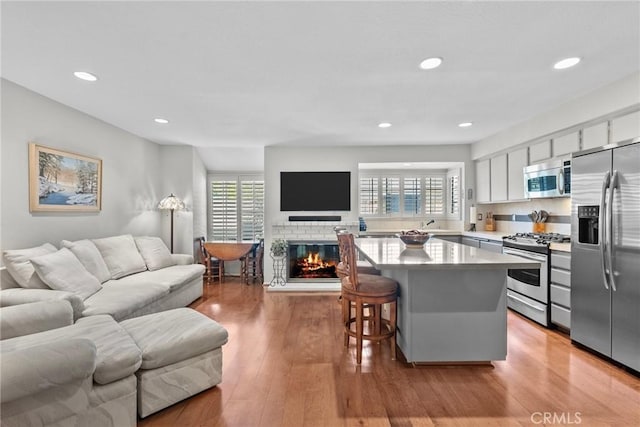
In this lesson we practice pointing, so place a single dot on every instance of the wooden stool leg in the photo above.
(346, 314)
(392, 323)
(359, 330)
(377, 320)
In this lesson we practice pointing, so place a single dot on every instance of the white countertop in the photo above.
(391, 253)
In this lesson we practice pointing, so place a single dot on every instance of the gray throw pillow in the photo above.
(18, 265)
(121, 255)
(90, 257)
(64, 272)
(154, 252)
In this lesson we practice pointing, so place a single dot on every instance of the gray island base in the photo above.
(452, 304)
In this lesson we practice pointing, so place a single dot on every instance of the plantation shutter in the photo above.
(454, 191)
(224, 210)
(252, 209)
(434, 195)
(412, 200)
(368, 196)
(391, 195)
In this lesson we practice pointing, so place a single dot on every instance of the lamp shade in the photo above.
(171, 202)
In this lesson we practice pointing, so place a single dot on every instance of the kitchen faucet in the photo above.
(431, 221)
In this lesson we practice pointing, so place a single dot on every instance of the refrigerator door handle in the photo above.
(602, 229)
(612, 187)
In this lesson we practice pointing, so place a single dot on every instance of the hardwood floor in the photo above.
(285, 365)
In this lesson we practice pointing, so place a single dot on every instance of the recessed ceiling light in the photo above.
(161, 121)
(431, 63)
(465, 124)
(384, 125)
(83, 75)
(566, 63)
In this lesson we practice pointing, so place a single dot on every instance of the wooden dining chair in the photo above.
(213, 266)
(365, 290)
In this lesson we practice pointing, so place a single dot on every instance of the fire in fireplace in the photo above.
(313, 261)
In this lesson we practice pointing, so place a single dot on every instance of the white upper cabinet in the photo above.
(499, 178)
(540, 151)
(625, 127)
(516, 160)
(565, 145)
(595, 136)
(483, 182)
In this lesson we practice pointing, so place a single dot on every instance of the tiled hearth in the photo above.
(310, 231)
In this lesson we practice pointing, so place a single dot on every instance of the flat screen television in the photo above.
(315, 191)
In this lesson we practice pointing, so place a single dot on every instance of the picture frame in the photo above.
(62, 181)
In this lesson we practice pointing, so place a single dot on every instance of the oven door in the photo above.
(530, 282)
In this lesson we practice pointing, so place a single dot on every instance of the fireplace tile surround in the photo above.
(308, 231)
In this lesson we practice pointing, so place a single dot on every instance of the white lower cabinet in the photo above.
(561, 289)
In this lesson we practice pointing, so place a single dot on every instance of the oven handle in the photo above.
(522, 254)
(528, 304)
(602, 229)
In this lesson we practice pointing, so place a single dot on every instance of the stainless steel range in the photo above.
(528, 290)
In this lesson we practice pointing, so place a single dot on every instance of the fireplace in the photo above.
(314, 261)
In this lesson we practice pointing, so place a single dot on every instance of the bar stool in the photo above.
(365, 290)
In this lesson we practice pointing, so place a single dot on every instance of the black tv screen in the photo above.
(315, 191)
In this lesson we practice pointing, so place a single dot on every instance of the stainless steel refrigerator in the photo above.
(605, 251)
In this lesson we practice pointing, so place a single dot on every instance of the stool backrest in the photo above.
(348, 270)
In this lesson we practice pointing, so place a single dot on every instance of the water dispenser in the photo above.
(588, 219)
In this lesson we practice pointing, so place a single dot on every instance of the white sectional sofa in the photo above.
(121, 276)
(96, 329)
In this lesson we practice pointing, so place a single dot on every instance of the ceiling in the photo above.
(236, 76)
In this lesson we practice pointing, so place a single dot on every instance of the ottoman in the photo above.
(181, 356)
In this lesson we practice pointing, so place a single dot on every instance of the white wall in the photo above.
(622, 94)
(130, 176)
(136, 175)
(328, 158)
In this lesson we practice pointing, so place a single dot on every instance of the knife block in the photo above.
(489, 225)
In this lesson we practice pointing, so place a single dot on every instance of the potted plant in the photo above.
(279, 248)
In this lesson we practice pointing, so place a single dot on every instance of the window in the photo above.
(392, 194)
(237, 208)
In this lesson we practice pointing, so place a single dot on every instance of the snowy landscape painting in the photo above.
(60, 181)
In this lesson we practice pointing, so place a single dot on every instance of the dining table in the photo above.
(230, 251)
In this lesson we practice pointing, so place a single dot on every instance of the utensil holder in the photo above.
(539, 227)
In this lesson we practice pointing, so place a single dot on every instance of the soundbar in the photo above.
(315, 218)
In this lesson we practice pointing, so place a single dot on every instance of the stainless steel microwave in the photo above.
(551, 179)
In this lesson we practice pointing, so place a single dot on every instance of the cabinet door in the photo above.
(566, 144)
(491, 246)
(595, 136)
(625, 127)
(470, 241)
(483, 181)
(499, 178)
(540, 151)
(517, 160)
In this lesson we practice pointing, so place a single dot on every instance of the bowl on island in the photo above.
(414, 238)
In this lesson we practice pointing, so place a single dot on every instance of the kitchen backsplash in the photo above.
(398, 224)
(513, 217)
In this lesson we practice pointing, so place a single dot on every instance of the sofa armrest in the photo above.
(182, 259)
(34, 369)
(16, 296)
(34, 317)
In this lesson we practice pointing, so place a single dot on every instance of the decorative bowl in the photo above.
(414, 238)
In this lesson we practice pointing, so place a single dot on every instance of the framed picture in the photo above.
(60, 181)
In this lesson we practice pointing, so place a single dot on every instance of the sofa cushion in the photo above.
(175, 335)
(173, 277)
(121, 255)
(154, 252)
(120, 300)
(89, 255)
(21, 269)
(62, 271)
(118, 356)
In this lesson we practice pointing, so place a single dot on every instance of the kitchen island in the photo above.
(452, 299)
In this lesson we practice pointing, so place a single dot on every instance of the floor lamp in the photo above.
(171, 203)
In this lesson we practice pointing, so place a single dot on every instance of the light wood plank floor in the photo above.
(285, 365)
